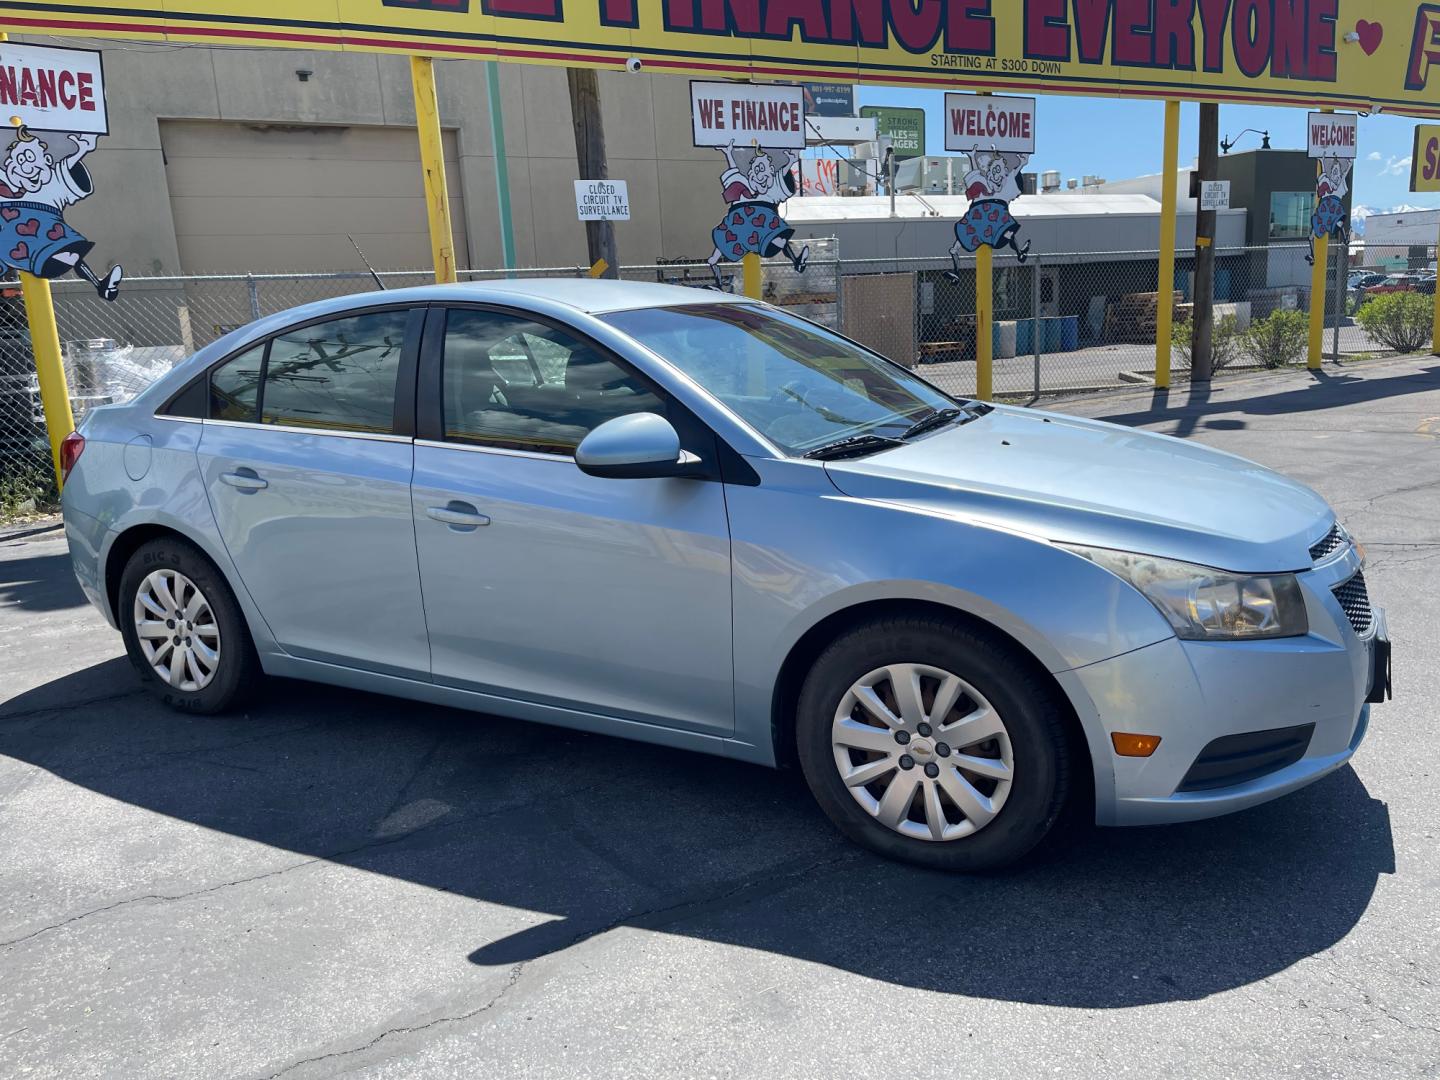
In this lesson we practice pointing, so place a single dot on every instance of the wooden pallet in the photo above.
(1133, 318)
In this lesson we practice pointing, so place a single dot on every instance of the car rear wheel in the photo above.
(183, 629)
(932, 741)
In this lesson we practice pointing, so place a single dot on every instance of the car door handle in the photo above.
(458, 514)
(245, 480)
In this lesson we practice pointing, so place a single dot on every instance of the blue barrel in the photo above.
(1070, 333)
(1053, 335)
(1024, 337)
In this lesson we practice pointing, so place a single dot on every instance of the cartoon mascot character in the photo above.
(990, 186)
(1329, 218)
(34, 192)
(752, 225)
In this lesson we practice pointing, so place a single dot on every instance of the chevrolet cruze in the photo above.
(697, 520)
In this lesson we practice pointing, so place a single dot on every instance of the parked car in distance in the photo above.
(694, 519)
(1395, 283)
(1363, 279)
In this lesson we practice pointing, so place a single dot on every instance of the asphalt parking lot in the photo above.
(336, 883)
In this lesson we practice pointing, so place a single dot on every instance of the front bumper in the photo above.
(1193, 693)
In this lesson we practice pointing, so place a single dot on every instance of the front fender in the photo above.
(803, 552)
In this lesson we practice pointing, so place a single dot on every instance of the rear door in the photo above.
(307, 455)
(543, 583)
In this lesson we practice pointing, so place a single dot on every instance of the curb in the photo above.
(22, 532)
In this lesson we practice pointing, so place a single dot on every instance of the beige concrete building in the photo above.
(223, 160)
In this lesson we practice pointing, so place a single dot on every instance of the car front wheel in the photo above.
(183, 629)
(931, 741)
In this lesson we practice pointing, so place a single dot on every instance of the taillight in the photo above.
(71, 447)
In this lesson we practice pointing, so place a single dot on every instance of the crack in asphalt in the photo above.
(143, 759)
(748, 889)
(1368, 504)
(1367, 1000)
(335, 857)
(157, 897)
(64, 705)
(411, 1029)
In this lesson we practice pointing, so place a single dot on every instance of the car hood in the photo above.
(1087, 482)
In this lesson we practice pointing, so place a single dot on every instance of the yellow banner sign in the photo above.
(1362, 55)
(1425, 162)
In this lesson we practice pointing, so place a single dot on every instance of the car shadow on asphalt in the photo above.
(40, 583)
(583, 834)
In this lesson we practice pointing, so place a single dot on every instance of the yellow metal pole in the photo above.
(751, 268)
(45, 344)
(49, 365)
(1435, 333)
(985, 323)
(432, 160)
(1318, 293)
(1165, 313)
(985, 316)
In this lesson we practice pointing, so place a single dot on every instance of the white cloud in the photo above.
(1375, 155)
(1396, 166)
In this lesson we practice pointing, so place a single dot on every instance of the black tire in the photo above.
(238, 670)
(1027, 704)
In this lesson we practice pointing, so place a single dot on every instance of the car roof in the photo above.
(594, 296)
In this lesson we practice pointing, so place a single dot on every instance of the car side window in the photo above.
(337, 375)
(515, 384)
(235, 386)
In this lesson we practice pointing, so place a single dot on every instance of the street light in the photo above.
(1227, 144)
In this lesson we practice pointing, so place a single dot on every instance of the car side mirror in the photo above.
(635, 447)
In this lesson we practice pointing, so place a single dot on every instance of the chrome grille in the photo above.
(1355, 600)
(1328, 544)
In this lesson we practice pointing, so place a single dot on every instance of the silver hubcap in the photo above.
(923, 752)
(177, 630)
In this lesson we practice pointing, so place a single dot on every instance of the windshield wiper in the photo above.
(934, 420)
(945, 417)
(853, 446)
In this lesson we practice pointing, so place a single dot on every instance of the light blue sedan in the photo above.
(697, 520)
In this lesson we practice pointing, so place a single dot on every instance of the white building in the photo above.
(1405, 238)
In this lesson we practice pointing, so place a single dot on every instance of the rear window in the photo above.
(235, 386)
(339, 375)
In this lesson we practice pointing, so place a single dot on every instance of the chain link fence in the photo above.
(1063, 323)
(1088, 320)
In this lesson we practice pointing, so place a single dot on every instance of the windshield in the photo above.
(799, 385)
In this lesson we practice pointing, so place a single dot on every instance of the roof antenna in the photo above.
(366, 261)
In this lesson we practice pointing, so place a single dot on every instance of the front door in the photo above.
(309, 482)
(543, 583)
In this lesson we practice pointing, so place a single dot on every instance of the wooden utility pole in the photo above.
(590, 156)
(1202, 361)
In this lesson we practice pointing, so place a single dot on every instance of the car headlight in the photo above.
(1204, 604)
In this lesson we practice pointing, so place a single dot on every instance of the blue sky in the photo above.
(1120, 139)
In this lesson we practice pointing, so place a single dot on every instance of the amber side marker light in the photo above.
(1128, 745)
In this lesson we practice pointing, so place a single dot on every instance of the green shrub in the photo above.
(1277, 341)
(1224, 342)
(25, 489)
(1401, 321)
